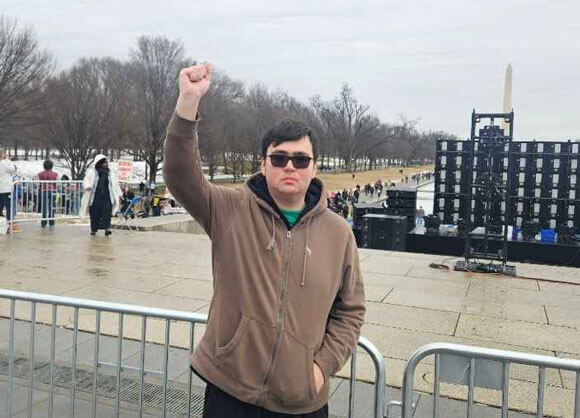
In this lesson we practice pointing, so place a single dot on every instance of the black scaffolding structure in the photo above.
(488, 194)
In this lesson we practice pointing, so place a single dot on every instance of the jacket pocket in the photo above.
(233, 343)
(242, 357)
(292, 378)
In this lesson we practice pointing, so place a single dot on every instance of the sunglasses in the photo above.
(281, 160)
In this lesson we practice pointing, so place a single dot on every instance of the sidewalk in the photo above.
(178, 371)
(409, 304)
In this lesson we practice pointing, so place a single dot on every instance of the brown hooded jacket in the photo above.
(283, 297)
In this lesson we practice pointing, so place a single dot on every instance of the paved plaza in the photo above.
(409, 304)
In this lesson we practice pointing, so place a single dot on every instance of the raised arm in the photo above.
(182, 163)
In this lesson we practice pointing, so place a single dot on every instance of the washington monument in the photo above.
(507, 94)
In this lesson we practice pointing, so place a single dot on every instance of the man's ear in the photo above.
(263, 167)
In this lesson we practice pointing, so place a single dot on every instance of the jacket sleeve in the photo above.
(13, 169)
(89, 179)
(117, 192)
(345, 319)
(184, 177)
(7, 167)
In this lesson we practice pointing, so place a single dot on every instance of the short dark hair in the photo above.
(47, 164)
(287, 130)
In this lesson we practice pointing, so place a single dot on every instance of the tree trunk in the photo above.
(255, 162)
(153, 164)
(225, 163)
(212, 165)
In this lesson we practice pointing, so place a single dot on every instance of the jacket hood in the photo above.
(315, 203)
(98, 158)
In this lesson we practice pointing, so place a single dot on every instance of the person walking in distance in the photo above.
(101, 195)
(288, 300)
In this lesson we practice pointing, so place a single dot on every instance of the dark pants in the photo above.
(47, 202)
(100, 212)
(5, 203)
(218, 404)
(65, 202)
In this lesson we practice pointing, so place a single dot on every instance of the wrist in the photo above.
(186, 107)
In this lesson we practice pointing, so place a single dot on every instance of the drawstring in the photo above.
(272, 243)
(307, 253)
(307, 250)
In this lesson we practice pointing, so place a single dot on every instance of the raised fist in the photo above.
(194, 81)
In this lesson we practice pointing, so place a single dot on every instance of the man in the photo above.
(288, 299)
(421, 215)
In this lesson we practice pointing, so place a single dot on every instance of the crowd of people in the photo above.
(340, 201)
(50, 194)
(103, 198)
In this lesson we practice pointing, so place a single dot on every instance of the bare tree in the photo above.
(156, 62)
(218, 108)
(24, 65)
(82, 111)
(350, 125)
(261, 113)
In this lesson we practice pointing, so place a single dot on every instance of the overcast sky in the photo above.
(431, 60)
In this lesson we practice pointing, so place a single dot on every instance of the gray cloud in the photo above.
(429, 60)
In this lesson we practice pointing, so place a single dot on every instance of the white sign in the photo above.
(125, 169)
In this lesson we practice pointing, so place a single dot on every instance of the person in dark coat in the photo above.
(101, 196)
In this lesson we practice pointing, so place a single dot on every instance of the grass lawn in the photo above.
(341, 181)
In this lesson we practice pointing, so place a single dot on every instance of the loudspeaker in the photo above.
(384, 232)
(401, 211)
(402, 202)
(361, 209)
(402, 193)
(432, 223)
(539, 173)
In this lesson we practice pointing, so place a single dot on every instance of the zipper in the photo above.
(280, 320)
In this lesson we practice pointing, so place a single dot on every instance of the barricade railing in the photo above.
(45, 200)
(482, 368)
(52, 307)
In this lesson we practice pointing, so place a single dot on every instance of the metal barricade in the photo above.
(170, 319)
(45, 200)
(483, 368)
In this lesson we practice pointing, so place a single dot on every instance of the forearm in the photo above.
(182, 166)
